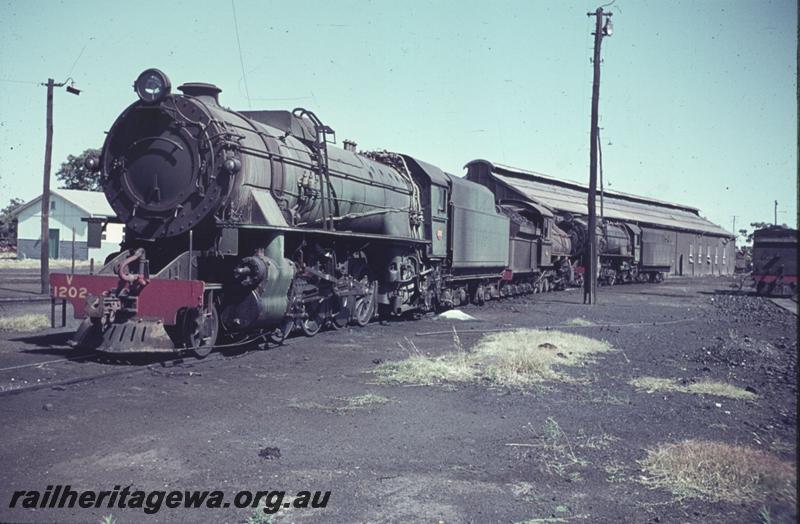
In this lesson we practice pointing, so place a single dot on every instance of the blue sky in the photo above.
(698, 98)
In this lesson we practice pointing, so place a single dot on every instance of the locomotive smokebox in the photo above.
(165, 168)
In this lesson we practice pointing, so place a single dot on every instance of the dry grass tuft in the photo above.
(716, 471)
(344, 404)
(427, 371)
(31, 263)
(24, 323)
(517, 358)
(363, 401)
(704, 387)
(579, 322)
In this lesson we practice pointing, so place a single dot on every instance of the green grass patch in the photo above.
(715, 471)
(703, 387)
(519, 358)
(24, 323)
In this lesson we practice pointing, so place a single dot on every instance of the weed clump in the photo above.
(519, 358)
(24, 323)
(703, 387)
(716, 471)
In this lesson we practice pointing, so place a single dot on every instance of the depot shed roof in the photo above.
(565, 196)
(94, 203)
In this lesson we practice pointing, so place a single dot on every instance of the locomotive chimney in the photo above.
(206, 92)
(349, 145)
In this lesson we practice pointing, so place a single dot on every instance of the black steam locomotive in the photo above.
(250, 223)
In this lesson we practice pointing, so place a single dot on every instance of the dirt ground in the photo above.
(289, 418)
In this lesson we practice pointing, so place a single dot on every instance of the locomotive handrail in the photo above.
(320, 147)
(332, 172)
(174, 143)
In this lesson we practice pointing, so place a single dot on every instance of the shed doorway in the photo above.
(52, 244)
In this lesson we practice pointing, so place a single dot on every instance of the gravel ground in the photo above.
(298, 417)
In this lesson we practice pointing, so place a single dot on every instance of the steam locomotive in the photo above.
(250, 223)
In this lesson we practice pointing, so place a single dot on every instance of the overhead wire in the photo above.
(10, 80)
(241, 58)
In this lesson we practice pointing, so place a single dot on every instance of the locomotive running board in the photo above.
(342, 233)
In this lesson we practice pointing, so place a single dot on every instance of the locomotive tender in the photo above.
(250, 223)
(775, 261)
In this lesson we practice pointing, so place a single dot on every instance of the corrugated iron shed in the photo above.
(566, 196)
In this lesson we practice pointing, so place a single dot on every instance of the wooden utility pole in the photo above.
(48, 157)
(48, 153)
(590, 255)
(775, 219)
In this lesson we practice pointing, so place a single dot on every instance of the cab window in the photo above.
(441, 199)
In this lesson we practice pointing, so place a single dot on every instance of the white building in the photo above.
(68, 208)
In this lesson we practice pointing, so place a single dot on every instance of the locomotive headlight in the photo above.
(152, 86)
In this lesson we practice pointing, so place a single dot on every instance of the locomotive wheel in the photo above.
(612, 280)
(201, 328)
(365, 307)
(279, 334)
(479, 297)
(314, 320)
(342, 316)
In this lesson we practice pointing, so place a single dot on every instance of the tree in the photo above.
(73, 173)
(756, 226)
(8, 223)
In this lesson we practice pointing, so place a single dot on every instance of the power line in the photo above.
(241, 59)
(79, 57)
(19, 81)
(281, 99)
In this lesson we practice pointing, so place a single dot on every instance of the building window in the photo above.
(103, 236)
(52, 205)
(716, 255)
(724, 255)
(691, 253)
(708, 254)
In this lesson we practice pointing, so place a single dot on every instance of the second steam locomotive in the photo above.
(250, 223)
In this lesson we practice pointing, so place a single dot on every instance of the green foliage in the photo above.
(755, 226)
(73, 173)
(8, 223)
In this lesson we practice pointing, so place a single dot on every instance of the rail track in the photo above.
(131, 365)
